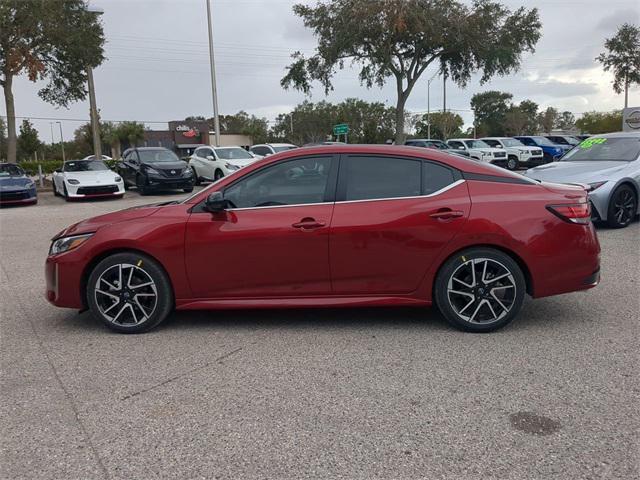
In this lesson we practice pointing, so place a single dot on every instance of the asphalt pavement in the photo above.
(354, 393)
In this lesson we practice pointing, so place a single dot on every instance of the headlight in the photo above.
(73, 181)
(187, 172)
(152, 170)
(231, 166)
(29, 185)
(593, 186)
(117, 179)
(68, 243)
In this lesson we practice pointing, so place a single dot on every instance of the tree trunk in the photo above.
(11, 119)
(402, 100)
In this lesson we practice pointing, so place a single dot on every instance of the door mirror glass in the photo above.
(215, 202)
(210, 157)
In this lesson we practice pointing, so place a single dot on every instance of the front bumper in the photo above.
(18, 197)
(161, 182)
(63, 275)
(95, 190)
(533, 161)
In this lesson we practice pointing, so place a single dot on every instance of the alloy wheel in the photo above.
(126, 295)
(624, 207)
(481, 290)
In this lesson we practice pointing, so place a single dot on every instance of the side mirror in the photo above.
(215, 203)
(210, 157)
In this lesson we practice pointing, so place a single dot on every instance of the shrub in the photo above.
(48, 166)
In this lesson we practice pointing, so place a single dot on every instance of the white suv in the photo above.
(266, 149)
(518, 154)
(479, 150)
(213, 163)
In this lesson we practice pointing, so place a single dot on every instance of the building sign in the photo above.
(631, 119)
(187, 131)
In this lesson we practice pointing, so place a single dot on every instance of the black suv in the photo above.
(155, 168)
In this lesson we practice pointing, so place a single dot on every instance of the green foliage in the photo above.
(489, 110)
(444, 125)
(530, 109)
(130, 133)
(28, 141)
(400, 38)
(566, 121)
(623, 57)
(548, 119)
(243, 124)
(313, 122)
(48, 166)
(600, 122)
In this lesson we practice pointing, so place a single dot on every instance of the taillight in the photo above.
(572, 213)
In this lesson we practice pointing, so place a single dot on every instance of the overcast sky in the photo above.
(157, 63)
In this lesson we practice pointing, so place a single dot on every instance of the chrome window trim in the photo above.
(437, 192)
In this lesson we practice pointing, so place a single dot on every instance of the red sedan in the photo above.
(335, 226)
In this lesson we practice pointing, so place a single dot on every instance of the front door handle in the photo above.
(308, 224)
(447, 214)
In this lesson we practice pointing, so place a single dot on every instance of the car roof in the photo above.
(462, 139)
(617, 134)
(423, 140)
(227, 147)
(493, 138)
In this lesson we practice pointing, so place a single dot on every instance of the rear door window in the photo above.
(370, 178)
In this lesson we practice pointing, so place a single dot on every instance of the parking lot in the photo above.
(360, 393)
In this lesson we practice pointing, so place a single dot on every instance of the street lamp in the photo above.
(93, 109)
(214, 91)
(62, 142)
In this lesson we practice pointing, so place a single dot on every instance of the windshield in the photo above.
(157, 156)
(512, 142)
(10, 171)
(543, 141)
(284, 148)
(618, 149)
(233, 154)
(476, 144)
(85, 166)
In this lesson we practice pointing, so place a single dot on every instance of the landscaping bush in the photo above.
(48, 166)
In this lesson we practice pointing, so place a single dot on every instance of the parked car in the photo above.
(479, 150)
(15, 187)
(567, 140)
(93, 157)
(610, 165)
(344, 225)
(266, 149)
(86, 178)
(551, 151)
(155, 168)
(517, 154)
(437, 144)
(212, 163)
(581, 137)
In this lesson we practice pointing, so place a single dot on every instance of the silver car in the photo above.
(610, 165)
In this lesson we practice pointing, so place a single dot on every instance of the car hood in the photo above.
(13, 183)
(178, 166)
(576, 172)
(241, 162)
(95, 223)
(89, 178)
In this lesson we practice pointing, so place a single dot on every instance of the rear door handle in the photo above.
(447, 214)
(308, 224)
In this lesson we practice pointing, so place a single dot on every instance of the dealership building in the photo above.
(183, 137)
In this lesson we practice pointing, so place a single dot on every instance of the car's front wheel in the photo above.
(218, 175)
(512, 163)
(129, 293)
(480, 290)
(195, 176)
(623, 206)
(141, 185)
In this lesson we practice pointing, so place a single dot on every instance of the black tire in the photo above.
(218, 175)
(623, 206)
(195, 176)
(188, 190)
(504, 299)
(149, 311)
(55, 190)
(65, 192)
(141, 186)
(512, 163)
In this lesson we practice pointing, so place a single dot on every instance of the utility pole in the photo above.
(214, 91)
(93, 108)
(429, 105)
(52, 140)
(64, 159)
(444, 93)
(291, 123)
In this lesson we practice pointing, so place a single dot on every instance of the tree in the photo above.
(489, 110)
(515, 121)
(444, 125)
(548, 119)
(600, 122)
(28, 141)
(400, 39)
(623, 59)
(566, 121)
(130, 133)
(530, 109)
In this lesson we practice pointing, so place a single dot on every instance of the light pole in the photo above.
(429, 104)
(93, 109)
(52, 140)
(214, 91)
(62, 142)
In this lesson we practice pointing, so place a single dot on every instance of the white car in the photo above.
(92, 157)
(213, 163)
(478, 150)
(266, 149)
(518, 154)
(87, 178)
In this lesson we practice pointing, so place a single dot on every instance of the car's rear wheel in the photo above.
(512, 163)
(623, 206)
(480, 290)
(129, 293)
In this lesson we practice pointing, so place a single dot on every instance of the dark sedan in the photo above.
(15, 187)
(155, 168)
